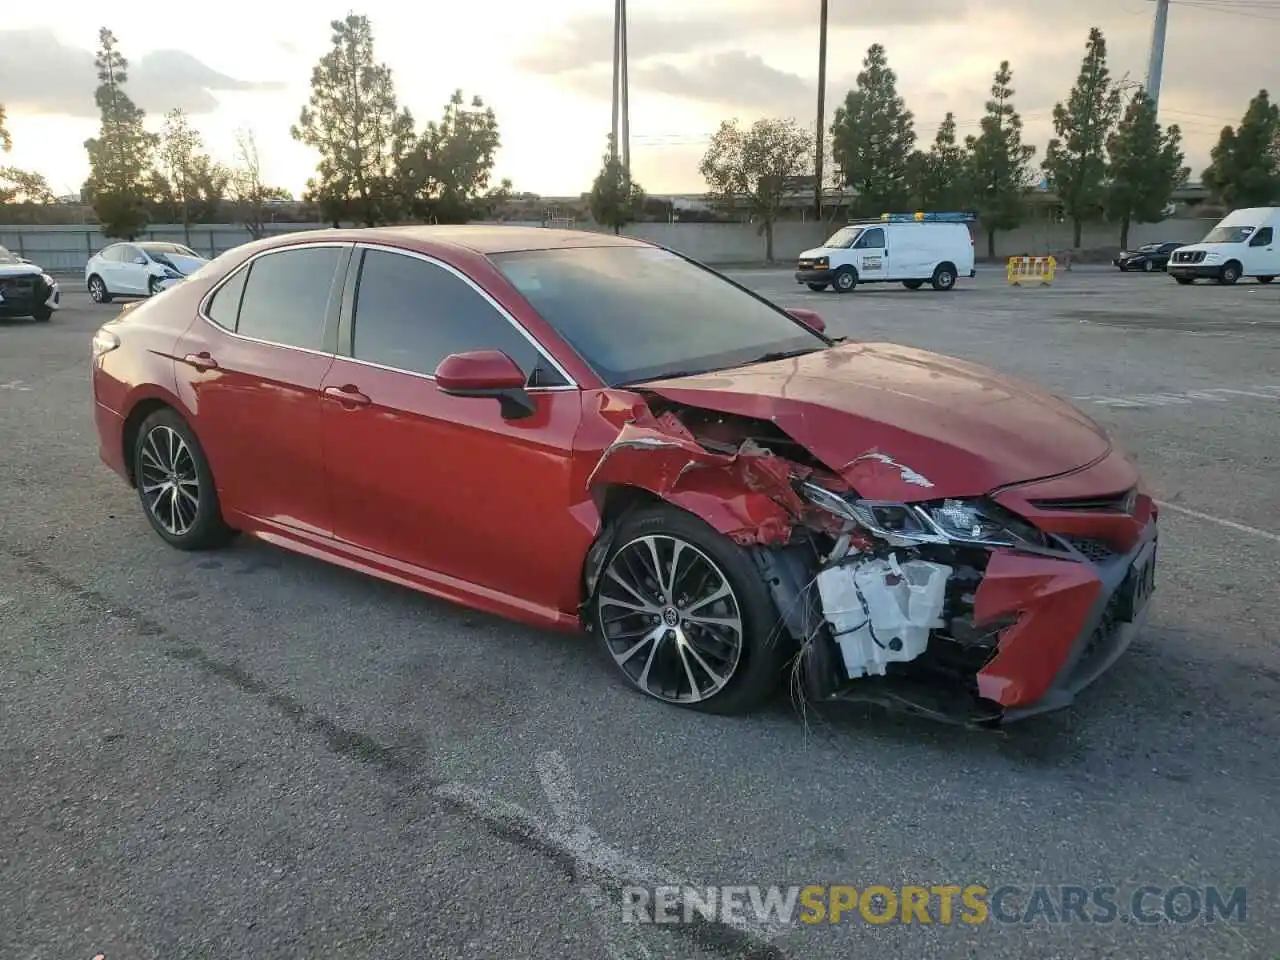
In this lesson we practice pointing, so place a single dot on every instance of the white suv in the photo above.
(138, 269)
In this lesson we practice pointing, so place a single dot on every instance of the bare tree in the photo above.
(249, 192)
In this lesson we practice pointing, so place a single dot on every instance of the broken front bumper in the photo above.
(1073, 621)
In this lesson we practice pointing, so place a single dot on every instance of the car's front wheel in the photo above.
(845, 280)
(98, 290)
(153, 286)
(176, 485)
(1230, 273)
(1147, 266)
(684, 615)
(42, 313)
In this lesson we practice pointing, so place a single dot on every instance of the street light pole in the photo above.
(1155, 66)
(822, 112)
(626, 108)
(617, 63)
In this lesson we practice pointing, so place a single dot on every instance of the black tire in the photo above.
(206, 529)
(98, 291)
(1230, 273)
(1265, 279)
(944, 278)
(758, 672)
(913, 284)
(846, 279)
(153, 286)
(817, 287)
(1185, 281)
(1147, 266)
(42, 313)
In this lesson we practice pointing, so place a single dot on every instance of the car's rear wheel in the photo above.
(845, 280)
(1230, 273)
(944, 278)
(98, 290)
(176, 485)
(684, 615)
(817, 287)
(913, 284)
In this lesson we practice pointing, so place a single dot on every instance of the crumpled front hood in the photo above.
(903, 424)
(184, 265)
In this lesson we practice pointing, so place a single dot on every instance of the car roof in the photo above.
(484, 239)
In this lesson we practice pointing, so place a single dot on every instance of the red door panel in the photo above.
(445, 483)
(257, 414)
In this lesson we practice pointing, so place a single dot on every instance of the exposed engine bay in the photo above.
(884, 598)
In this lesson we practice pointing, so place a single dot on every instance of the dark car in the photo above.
(582, 430)
(25, 289)
(1148, 257)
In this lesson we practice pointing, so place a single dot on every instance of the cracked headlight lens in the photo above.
(977, 522)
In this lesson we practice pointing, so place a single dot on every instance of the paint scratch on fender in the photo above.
(908, 475)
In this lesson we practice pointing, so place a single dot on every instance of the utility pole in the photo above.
(626, 108)
(617, 64)
(822, 111)
(1155, 66)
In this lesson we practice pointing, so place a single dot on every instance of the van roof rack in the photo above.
(919, 217)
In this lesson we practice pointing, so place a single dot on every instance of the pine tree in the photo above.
(874, 137)
(1245, 171)
(940, 175)
(1076, 161)
(120, 155)
(999, 163)
(354, 121)
(1145, 166)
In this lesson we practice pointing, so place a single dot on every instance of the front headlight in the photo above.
(48, 281)
(977, 522)
(171, 274)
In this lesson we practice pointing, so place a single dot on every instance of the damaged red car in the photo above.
(584, 431)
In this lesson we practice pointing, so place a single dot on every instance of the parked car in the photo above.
(138, 269)
(25, 289)
(581, 430)
(1148, 257)
(911, 249)
(1242, 244)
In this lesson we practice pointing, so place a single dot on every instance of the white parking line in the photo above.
(571, 837)
(1232, 524)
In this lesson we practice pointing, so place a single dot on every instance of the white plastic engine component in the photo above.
(881, 611)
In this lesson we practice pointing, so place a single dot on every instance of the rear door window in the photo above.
(286, 296)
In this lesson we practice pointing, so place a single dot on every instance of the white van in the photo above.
(910, 248)
(1243, 244)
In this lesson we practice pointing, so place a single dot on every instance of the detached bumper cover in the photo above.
(1074, 620)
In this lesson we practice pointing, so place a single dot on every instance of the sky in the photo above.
(545, 68)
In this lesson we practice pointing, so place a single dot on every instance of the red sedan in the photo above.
(578, 430)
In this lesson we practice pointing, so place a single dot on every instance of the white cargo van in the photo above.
(1243, 244)
(910, 248)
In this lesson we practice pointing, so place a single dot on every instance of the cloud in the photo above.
(730, 79)
(587, 41)
(41, 75)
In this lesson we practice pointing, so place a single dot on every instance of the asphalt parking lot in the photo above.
(252, 754)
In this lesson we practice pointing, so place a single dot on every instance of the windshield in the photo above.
(844, 237)
(174, 248)
(1228, 235)
(7, 257)
(637, 313)
(1148, 247)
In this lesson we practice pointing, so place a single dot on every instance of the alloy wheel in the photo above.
(670, 619)
(168, 480)
(97, 290)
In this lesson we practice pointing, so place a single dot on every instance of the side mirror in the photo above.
(486, 373)
(141, 261)
(809, 319)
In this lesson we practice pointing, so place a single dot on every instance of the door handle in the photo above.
(202, 361)
(348, 395)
